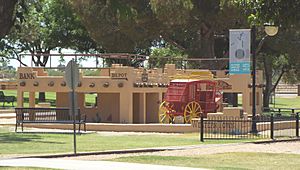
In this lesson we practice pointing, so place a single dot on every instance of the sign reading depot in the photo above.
(115, 75)
(26, 75)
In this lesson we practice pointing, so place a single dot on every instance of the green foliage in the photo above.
(111, 23)
(53, 72)
(281, 12)
(47, 25)
(187, 24)
(166, 55)
(91, 72)
(167, 11)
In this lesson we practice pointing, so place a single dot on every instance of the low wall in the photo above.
(160, 128)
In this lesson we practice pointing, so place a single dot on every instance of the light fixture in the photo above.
(270, 29)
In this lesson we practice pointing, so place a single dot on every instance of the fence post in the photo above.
(297, 124)
(272, 126)
(201, 129)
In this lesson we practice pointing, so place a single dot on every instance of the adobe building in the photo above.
(123, 94)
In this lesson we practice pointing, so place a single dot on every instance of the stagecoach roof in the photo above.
(184, 80)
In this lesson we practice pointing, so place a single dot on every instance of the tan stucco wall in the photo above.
(152, 105)
(109, 107)
(139, 109)
(122, 101)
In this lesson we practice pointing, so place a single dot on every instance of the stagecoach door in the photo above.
(192, 91)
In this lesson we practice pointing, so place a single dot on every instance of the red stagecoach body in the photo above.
(190, 98)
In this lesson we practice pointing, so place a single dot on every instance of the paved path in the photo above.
(79, 164)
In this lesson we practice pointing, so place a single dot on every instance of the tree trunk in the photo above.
(41, 59)
(204, 47)
(269, 85)
(268, 76)
(7, 8)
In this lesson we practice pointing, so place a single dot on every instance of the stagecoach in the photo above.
(190, 98)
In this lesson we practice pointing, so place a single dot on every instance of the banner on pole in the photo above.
(239, 51)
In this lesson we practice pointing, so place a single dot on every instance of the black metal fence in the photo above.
(45, 114)
(272, 127)
(48, 115)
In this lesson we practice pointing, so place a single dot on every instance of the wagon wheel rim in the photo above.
(163, 115)
(192, 110)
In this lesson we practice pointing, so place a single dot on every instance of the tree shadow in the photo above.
(19, 138)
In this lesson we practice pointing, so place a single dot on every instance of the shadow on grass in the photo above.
(57, 133)
(17, 138)
(9, 138)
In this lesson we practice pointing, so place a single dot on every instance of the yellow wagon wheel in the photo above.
(191, 110)
(163, 115)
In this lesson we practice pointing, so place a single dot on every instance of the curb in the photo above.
(97, 153)
(276, 140)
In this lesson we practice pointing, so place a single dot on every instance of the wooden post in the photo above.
(32, 104)
(202, 129)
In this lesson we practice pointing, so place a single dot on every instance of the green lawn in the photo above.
(287, 102)
(22, 168)
(280, 102)
(223, 161)
(38, 143)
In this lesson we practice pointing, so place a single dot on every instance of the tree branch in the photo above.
(173, 42)
(279, 78)
(18, 59)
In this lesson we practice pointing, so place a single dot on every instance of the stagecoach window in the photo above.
(192, 92)
(90, 100)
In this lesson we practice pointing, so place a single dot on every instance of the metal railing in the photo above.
(48, 115)
(271, 127)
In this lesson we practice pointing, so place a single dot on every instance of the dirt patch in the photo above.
(279, 147)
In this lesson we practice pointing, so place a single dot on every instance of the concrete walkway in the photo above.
(79, 164)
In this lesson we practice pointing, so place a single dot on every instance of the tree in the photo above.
(47, 25)
(280, 54)
(190, 25)
(167, 55)
(7, 16)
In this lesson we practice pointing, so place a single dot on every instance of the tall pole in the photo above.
(73, 107)
(253, 31)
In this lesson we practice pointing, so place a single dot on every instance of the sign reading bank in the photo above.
(239, 51)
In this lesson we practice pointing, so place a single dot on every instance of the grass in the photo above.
(42, 143)
(287, 102)
(22, 168)
(223, 161)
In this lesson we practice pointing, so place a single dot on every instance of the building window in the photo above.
(90, 100)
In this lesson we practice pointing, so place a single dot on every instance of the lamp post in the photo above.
(270, 30)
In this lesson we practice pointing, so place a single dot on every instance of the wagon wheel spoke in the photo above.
(191, 111)
(189, 108)
(163, 115)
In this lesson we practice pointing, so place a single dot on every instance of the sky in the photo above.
(91, 62)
